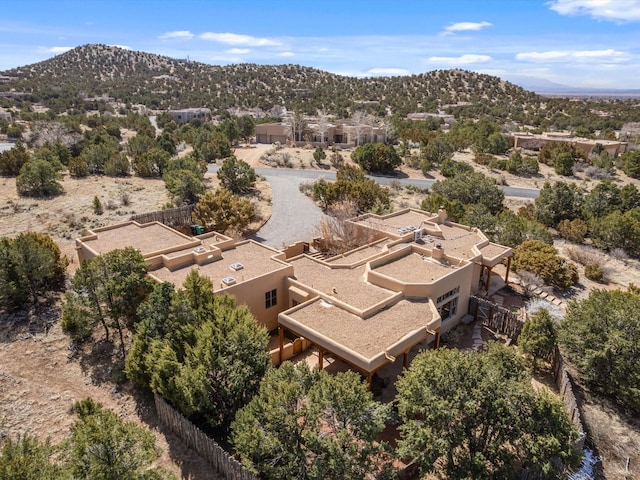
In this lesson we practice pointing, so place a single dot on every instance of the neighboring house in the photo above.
(187, 114)
(411, 283)
(530, 141)
(5, 116)
(273, 133)
(345, 134)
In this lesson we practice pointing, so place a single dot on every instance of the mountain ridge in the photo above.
(165, 82)
(74, 81)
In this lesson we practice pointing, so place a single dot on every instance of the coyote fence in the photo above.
(174, 217)
(195, 438)
(495, 317)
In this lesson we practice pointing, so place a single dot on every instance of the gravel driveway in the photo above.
(294, 216)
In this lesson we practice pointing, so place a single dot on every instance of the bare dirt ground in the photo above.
(39, 383)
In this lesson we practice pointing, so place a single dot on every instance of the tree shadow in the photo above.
(26, 323)
(100, 360)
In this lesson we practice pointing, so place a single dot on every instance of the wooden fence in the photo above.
(495, 317)
(503, 321)
(565, 387)
(195, 438)
(174, 217)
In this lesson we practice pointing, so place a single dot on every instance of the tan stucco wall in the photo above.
(252, 294)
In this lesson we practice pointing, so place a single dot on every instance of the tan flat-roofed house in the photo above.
(411, 283)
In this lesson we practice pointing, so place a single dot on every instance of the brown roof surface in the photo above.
(369, 336)
(255, 258)
(393, 223)
(147, 238)
(458, 241)
(493, 250)
(356, 256)
(413, 268)
(349, 283)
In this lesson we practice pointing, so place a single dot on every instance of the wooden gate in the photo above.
(499, 319)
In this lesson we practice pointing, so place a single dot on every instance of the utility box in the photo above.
(197, 229)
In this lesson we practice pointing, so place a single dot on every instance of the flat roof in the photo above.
(363, 341)
(148, 238)
(256, 260)
(347, 284)
(458, 241)
(394, 222)
(361, 254)
(415, 268)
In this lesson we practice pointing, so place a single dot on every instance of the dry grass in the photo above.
(617, 441)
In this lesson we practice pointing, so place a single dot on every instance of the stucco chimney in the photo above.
(437, 253)
(442, 215)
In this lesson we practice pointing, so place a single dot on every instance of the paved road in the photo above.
(382, 180)
(295, 217)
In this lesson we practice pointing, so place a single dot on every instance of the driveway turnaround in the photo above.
(295, 217)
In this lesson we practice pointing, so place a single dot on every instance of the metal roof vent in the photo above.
(237, 266)
(229, 281)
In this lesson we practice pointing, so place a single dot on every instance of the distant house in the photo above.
(185, 115)
(535, 142)
(273, 132)
(345, 133)
(368, 306)
(6, 116)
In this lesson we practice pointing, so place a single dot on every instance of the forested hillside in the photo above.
(156, 81)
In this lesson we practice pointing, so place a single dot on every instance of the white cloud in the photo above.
(124, 47)
(609, 55)
(466, 26)
(616, 10)
(180, 34)
(55, 50)
(238, 51)
(286, 54)
(467, 59)
(386, 72)
(235, 39)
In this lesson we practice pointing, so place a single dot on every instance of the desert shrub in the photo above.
(584, 255)
(543, 260)
(78, 168)
(450, 168)
(413, 161)
(600, 335)
(563, 164)
(336, 159)
(38, 178)
(498, 164)
(539, 337)
(594, 272)
(596, 173)
(573, 230)
(483, 158)
(98, 209)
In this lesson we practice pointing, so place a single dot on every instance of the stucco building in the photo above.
(185, 115)
(529, 141)
(367, 307)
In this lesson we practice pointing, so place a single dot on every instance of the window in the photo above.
(271, 298)
(449, 294)
(449, 309)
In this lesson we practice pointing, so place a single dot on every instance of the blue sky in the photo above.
(581, 43)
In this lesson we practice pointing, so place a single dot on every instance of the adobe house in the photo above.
(535, 142)
(185, 115)
(367, 307)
